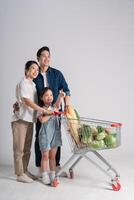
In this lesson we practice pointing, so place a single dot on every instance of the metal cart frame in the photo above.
(79, 153)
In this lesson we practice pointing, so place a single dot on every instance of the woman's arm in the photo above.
(31, 104)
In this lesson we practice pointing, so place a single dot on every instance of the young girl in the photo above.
(49, 136)
(23, 119)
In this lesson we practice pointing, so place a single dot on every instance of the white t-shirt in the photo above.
(45, 79)
(25, 89)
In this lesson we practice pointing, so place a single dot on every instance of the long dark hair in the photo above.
(28, 65)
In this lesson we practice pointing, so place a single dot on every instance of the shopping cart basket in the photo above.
(90, 135)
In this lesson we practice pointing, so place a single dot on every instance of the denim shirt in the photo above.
(56, 82)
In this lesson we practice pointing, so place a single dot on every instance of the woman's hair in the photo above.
(44, 91)
(28, 65)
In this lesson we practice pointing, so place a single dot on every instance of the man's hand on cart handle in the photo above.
(66, 108)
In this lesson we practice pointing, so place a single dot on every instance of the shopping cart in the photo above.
(91, 135)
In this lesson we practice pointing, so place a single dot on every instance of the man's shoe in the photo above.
(63, 174)
(30, 175)
(24, 179)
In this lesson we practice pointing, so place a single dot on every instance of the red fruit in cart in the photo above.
(107, 130)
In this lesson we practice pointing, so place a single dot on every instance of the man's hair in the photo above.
(41, 50)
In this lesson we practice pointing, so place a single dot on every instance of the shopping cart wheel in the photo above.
(71, 173)
(55, 183)
(116, 186)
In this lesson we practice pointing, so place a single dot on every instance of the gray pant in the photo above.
(22, 141)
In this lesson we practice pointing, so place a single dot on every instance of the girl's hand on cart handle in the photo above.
(55, 113)
(47, 113)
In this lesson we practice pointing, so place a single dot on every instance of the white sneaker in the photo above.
(24, 178)
(38, 175)
(30, 175)
(45, 178)
(63, 174)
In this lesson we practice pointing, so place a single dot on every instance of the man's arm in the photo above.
(66, 103)
(64, 86)
(59, 100)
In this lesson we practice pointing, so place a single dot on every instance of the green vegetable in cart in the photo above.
(77, 114)
(102, 144)
(85, 132)
(90, 139)
(101, 135)
(100, 129)
(97, 144)
(86, 140)
(110, 141)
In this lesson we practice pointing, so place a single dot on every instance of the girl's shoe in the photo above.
(45, 178)
(39, 174)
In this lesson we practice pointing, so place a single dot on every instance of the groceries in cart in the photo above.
(92, 133)
(87, 135)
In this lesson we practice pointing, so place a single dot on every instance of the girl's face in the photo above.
(32, 72)
(47, 97)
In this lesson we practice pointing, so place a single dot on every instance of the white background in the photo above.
(91, 42)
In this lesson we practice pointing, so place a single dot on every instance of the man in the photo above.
(53, 78)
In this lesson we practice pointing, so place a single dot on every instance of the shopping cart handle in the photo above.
(55, 113)
(116, 125)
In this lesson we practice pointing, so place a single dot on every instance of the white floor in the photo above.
(89, 183)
